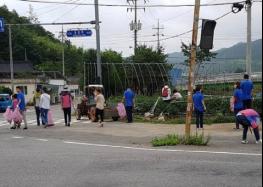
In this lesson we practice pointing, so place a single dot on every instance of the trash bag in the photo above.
(121, 110)
(50, 119)
(17, 117)
(8, 115)
(232, 104)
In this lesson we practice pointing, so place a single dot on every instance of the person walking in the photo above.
(247, 90)
(199, 107)
(14, 106)
(129, 101)
(238, 101)
(22, 105)
(100, 104)
(66, 104)
(44, 105)
(249, 118)
(36, 101)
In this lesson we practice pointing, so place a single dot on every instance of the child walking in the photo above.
(15, 102)
(100, 102)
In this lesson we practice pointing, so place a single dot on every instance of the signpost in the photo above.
(79, 33)
(2, 25)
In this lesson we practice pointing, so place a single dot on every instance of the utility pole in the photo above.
(135, 25)
(26, 59)
(11, 58)
(63, 52)
(136, 28)
(158, 34)
(84, 80)
(97, 27)
(191, 77)
(249, 38)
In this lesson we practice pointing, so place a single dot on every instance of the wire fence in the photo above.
(149, 78)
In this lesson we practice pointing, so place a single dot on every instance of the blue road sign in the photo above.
(2, 25)
(79, 33)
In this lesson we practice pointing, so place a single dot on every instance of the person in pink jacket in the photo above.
(249, 118)
(66, 104)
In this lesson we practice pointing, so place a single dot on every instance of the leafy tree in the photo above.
(32, 16)
(145, 54)
(201, 56)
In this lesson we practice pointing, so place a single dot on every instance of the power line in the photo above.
(186, 32)
(139, 6)
(67, 12)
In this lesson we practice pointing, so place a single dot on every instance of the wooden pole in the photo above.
(191, 77)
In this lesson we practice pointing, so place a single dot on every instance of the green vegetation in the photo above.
(202, 55)
(216, 106)
(172, 140)
(4, 90)
(44, 50)
(217, 100)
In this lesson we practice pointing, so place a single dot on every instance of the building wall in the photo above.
(29, 88)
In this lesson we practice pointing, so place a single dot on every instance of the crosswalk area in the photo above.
(56, 122)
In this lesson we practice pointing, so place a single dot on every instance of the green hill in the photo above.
(42, 48)
(229, 59)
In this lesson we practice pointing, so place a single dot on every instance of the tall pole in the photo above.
(249, 38)
(63, 52)
(84, 79)
(192, 69)
(158, 34)
(136, 27)
(99, 71)
(11, 59)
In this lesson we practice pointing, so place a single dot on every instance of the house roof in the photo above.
(19, 67)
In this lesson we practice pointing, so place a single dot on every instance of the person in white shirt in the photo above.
(44, 106)
(100, 102)
(176, 95)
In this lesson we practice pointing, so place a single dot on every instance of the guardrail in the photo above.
(228, 78)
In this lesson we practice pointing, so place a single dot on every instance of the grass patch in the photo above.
(181, 120)
(173, 140)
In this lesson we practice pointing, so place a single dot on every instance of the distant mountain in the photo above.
(238, 51)
(229, 59)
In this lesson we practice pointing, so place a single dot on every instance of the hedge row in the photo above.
(215, 106)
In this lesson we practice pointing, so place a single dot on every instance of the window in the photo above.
(24, 89)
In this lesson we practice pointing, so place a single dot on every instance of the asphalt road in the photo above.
(47, 161)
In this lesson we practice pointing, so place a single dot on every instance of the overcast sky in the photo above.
(115, 31)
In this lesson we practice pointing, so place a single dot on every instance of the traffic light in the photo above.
(207, 36)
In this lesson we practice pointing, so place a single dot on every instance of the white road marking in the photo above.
(87, 122)
(4, 124)
(42, 140)
(162, 150)
(59, 121)
(17, 137)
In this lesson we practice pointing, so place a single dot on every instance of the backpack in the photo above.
(165, 92)
(66, 101)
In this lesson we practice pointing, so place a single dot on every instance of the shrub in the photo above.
(173, 140)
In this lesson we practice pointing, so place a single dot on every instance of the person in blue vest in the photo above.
(129, 101)
(22, 104)
(247, 89)
(199, 107)
(238, 101)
